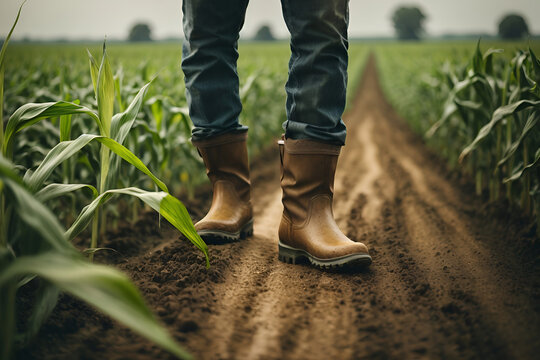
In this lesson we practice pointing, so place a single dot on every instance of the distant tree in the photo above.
(264, 34)
(513, 26)
(408, 22)
(140, 32)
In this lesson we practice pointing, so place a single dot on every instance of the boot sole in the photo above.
(219, 236)
(291, 255)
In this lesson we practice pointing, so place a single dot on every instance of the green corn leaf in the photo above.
(120, 128)
(65, 123)
(7, 170)
(94, 71)
(518, 173)
(156, 107)
(168, 206)
(53, 191)
(499, 114)
(105, 93)
(536, 66)
(6, 41)
(476, 107)
(478, 60)
(34, 214)
(483, 90)
(176, 213)
(131, 158)
(525, 83)
(66, 149)
(118, 89)
(449, 110)
(101, 286)
(532, 121)
(488, 59)
(450, 107)
(31, 113)
(123, 122)
(1, 109)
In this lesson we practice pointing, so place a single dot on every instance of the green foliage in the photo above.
(38, 248)
(482, 114)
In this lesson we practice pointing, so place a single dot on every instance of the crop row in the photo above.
(479, 110)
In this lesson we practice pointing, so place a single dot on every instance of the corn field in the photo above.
(479, 110)
(94, 135)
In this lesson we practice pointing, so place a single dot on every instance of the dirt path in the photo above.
(435, 289)
(443, 283)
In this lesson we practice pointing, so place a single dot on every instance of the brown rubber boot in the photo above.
(308, 229)
(231, 215)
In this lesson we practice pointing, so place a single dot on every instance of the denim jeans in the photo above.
(316, 87)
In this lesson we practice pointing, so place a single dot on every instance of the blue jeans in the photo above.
(317, 83)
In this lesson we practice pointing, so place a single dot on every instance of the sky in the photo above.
(95, 19)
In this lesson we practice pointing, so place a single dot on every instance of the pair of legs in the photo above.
(314, 130)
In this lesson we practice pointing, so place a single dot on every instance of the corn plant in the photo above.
(482, 114)
(114, 131)
(38, 247)
(34, 245)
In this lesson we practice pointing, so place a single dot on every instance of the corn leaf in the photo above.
(65, 123)
(478, 60)
(533, 119)
(450, 107)
(488, 59)
(449, 110)
(498, 115)
(518, 173)
(32, 113)
(120, 128)
(66, 149)
(94, 71)
(168, 206)
(118, 89)
(476, 107)
(123, 122)
(35, 214)
(131, 158)
(103, 287)
(6, 41)
(53, 191)
(105, 93)
(536, 66)
(6, 170)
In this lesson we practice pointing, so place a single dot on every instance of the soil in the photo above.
(451, 278)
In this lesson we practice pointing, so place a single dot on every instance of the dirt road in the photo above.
(445, 281)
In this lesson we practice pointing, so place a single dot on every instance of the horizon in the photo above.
(42, 21)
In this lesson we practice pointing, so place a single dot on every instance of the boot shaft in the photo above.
(226, 158)
(308, 170)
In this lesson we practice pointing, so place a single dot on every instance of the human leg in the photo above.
(210, 52)
(314, 133)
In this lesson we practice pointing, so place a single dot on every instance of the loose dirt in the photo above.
(450, 279)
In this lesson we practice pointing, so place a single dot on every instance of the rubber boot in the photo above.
(231, 215)
(308, 229)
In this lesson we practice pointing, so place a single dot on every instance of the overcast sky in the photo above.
(95, 19)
